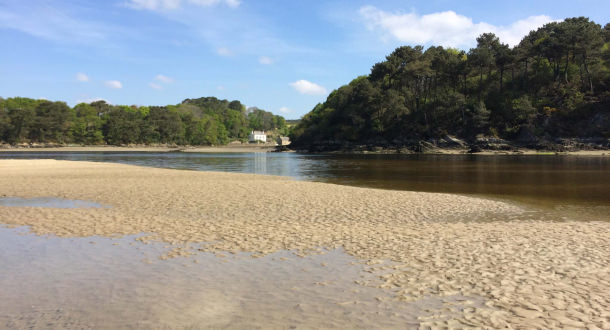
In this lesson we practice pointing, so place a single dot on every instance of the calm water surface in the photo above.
(103, 283)
(570, 184)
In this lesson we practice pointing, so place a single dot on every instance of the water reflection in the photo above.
(550, 181)
(59, 203)
(102, 283)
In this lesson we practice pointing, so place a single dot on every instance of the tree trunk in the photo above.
(501, 78)
(525, 75)
(565, 71)
(480, 82)
(584, 59)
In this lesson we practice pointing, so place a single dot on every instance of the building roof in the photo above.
(257, 132)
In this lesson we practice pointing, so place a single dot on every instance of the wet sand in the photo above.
(529, 273)
(103, 283)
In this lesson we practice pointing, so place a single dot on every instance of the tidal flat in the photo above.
(432, 259)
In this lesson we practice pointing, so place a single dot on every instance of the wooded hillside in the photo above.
(555, 83)
(202, 121)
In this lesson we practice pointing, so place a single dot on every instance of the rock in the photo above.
(451, 142)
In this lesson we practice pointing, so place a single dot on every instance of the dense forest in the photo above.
(202, 121)
(554, 83)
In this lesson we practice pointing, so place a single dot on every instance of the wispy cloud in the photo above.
(265, 60)
(82, 77)
(224, 51)
(155, 86)
(443, 28)
(161, 79)
(308, 88)
(285, 110)
(217, 24)
(164, 79)
(47, 21)
(114, 84)
(175, 4)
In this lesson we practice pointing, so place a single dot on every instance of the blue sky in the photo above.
(282, 56)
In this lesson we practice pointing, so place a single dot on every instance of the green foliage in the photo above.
(262, 120)
(5, 122)
(203, 121)
(125, 127)
(491, 89)
(87, 126)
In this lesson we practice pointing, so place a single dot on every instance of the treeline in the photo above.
(202, 121)
(555, 83)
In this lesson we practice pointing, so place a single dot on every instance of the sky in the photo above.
(277, 55)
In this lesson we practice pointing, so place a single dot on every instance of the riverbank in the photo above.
(241, 148)
(448, 151)
(529, 273)
(482, 145)
(263, 148)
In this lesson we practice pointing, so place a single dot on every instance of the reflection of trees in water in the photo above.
(554, 179)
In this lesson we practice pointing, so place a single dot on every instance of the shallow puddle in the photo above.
(49, 202)
(49, 282)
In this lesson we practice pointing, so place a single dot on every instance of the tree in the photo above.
(503, 56)
(5, 122)
(22, 116)
(167, 125)
(480, 117)
(561, 69)
(87, 126)
(483, 56)
(122, 127)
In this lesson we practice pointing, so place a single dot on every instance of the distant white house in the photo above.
(258, 136)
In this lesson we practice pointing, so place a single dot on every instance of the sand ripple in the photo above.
(531, 273)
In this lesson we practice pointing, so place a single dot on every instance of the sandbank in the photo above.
(530, 273)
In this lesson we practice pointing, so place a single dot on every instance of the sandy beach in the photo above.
(528, 273)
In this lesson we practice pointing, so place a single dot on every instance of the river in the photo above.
(576, 186)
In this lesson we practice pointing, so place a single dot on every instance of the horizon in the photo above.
(286, 58)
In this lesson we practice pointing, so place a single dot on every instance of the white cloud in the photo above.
(164, 79)
(221, 88)
(52, 22)
(265, 60)
(224, 51)
(153, 4)
(82, 77)
(307, 87)
(155, 86)
(175, 4)
(207, 3)
(285, 110)
(250, 33)
(444, 28)
(114, 84)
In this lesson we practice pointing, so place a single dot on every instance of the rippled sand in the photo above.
(529, 273)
